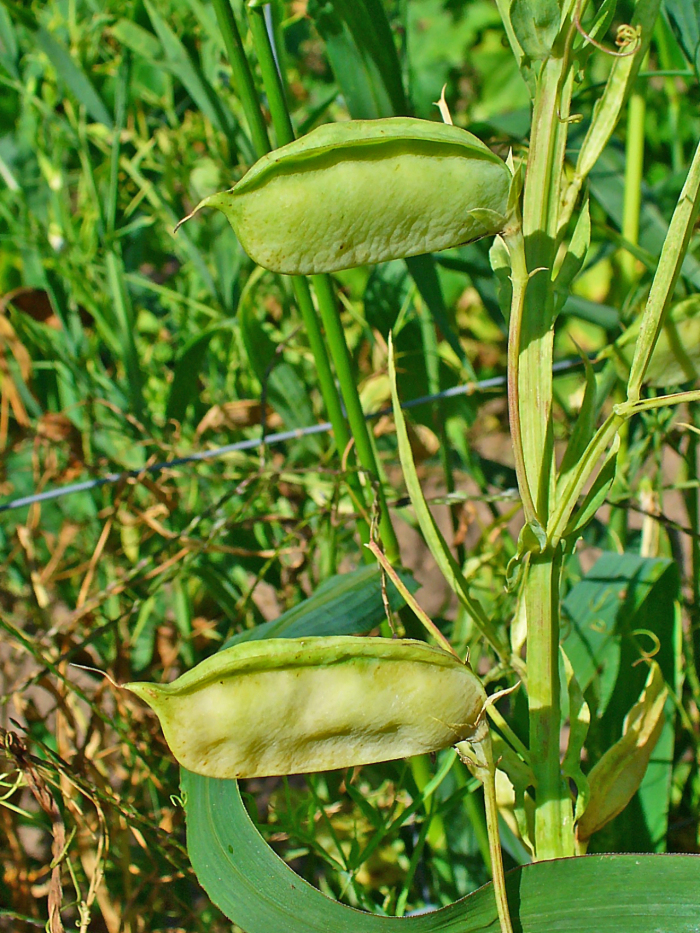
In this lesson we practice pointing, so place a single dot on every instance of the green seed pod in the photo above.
(366, 191)
(293, 705)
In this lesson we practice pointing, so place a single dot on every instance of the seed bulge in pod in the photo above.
(294, 705)
(366, 191)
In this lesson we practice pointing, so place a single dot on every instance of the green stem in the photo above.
(242, 76)
(340, 354)
(634, 173)
(663, 39)
(477, 754)
(272, 81)
(519, 280)
(554, 837)
(330, 396)
(246, 90)
(540, 223)
(323, 287)
(533, 344)
(431, 357)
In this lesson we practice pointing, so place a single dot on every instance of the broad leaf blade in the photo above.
(623, 607)
(361, 50)
(345, 604)
(594, 894)
(183, 390)
(684, 18)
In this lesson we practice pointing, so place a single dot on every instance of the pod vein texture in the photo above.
(366, 191)
(287, 706)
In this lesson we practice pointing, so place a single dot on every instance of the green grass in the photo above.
(122, 345)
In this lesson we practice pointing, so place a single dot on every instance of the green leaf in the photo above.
(438, 36)
(604, 316)
(138, 39)
(282, 386)
(9, 47)
(499, 258)
(575, 255)
(595, 496)
(676, 356)
(684, 18)
(183, 390)
(579, 722)
(584, 428)
(536, 25)
(671, 260)
(618, 775)
(607, 186)
(622, 611)
(189, 73)
(361, 50)
(219, 587)
(345, 604)
(261, 894)
(423, 271)
(73, 77)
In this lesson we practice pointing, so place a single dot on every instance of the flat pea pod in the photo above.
(366, 191)
(294, 705)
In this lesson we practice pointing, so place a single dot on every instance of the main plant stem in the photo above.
(531, 408)
(553, 815)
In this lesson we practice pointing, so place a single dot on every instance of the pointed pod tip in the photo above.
(147, 692)
(185, 219)
(211, 200)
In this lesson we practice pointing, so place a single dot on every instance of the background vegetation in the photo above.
(122, 346)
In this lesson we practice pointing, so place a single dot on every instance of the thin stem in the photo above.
(420, 613)
(340, 354)
(431, 357)
(329, 392)
(272, 80)
(242, 76)
(477, 754)
(519, 280)
(323, 287)
(634, 172)
(245, 87)
(554, 837)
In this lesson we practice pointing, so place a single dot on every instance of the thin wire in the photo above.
(469, 388)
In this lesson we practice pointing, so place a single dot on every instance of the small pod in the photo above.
(366, 191)
(294, 705)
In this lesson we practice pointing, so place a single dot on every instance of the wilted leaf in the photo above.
(617, 776)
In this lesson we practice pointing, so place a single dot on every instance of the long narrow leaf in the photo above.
(261, 894)
(433, 537)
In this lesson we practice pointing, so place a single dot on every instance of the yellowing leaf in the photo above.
(616, 777)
